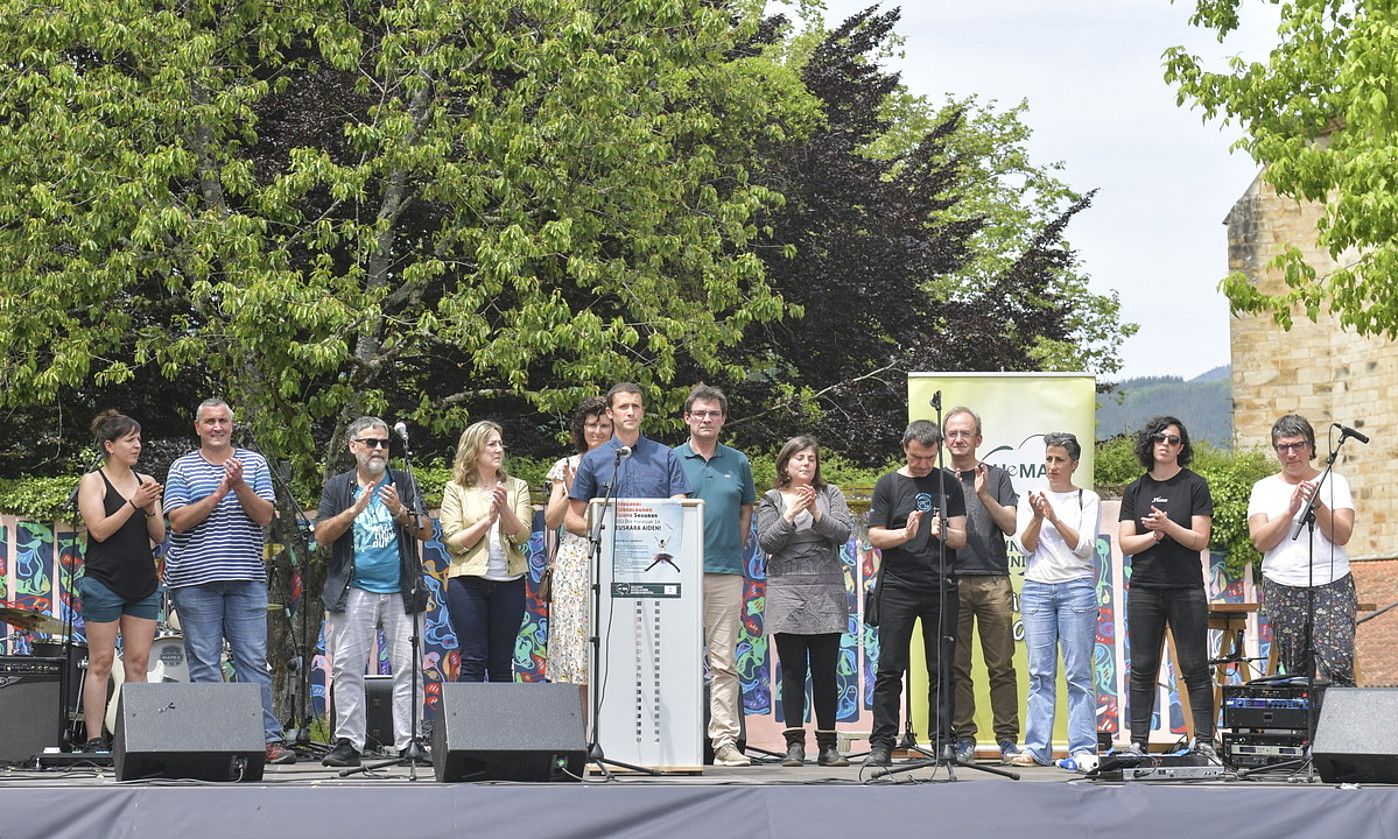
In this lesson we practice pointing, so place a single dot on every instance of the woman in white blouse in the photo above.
(1056, 529)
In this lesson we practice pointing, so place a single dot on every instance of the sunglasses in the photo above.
(373, 442)
(1172, 439)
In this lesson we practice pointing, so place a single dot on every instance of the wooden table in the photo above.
(1230, 619)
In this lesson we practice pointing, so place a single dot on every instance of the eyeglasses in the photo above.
(1283, 448)
(1172, 439)
(705, 414)
(958, 434)
(373, 442)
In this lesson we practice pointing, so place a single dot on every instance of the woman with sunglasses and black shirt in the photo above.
(1166, 519)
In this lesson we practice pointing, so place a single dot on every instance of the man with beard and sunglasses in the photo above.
(371, 518)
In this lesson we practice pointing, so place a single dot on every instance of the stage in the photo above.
(759, 801)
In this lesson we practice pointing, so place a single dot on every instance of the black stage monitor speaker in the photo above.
(378, 712)
(210, 731)
(1356, 738)
(509, 732)
(30, 713)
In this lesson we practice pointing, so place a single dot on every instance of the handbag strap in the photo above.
(878, 578)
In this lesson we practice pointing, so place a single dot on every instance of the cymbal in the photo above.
(31, 620)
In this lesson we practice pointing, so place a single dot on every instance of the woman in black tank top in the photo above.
(121, 511)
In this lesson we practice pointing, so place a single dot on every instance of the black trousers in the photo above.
(1186, 611)
(817, 655)
(899, 608)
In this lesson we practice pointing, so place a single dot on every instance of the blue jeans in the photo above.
(235, 610)
(486, 616)
(1060, 614)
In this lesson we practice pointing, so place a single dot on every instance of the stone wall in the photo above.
(1316, 369)
(1327, 374)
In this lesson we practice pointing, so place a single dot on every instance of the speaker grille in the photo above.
(30, 716)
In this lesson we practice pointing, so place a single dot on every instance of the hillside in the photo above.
(1203, 403)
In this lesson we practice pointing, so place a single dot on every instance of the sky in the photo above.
(1093, 74)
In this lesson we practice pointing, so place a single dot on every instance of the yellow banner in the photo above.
(1016, 410)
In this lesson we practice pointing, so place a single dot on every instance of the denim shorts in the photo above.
(102, 605)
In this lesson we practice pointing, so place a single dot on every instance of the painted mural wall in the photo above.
(39, 564)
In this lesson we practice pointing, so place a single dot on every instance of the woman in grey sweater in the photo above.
(801, 524)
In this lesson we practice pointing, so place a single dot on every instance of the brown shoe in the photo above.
(279, 754)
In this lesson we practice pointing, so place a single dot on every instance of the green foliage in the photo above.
(1014, 199)
(321, 204)
(434, 477)
(1230, 474)
(1115, 463)
(1320, 114)
(836, 468)
(903, 219)
(41, 499)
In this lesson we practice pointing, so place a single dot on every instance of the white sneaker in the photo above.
(728, 755)
(1079, 762)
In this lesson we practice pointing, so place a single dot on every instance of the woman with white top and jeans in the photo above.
(1056, 529)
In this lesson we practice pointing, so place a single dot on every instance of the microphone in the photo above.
(401, 429)
(1346, 431)
(936, 401)
(623, 452)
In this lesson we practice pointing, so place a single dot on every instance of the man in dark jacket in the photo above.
(372, 519)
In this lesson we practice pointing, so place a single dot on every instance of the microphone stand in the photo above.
(941, 754)
(414, 752)
(594, 538)
(1307, 522)
(297, 731)
(67, 717)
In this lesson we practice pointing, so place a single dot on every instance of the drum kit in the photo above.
(167, 657)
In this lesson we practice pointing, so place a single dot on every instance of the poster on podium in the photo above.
(650, 682)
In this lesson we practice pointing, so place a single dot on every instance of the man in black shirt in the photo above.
(907, 526)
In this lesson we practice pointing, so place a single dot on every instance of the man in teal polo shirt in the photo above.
(722, 477)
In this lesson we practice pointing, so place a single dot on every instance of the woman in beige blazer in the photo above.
(486, 520)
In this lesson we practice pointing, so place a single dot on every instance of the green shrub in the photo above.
(40, 499)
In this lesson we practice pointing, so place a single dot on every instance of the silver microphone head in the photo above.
(623, 452)
(401, 429)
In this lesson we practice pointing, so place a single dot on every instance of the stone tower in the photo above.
(1319, 370)
(1326, 374)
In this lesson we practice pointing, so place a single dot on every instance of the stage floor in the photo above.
(760, 801)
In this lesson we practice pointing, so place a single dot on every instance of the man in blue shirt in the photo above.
(218, 499)
(372, 519)
(647, 470)
(722, 478)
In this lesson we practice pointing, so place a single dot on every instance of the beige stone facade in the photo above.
(1318, 370)
(1326, 374)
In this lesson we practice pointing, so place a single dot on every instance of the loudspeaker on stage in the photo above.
(509, 732)
(1356, 737)
(209, 731)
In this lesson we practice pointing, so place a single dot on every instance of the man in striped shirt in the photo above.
(218, 499)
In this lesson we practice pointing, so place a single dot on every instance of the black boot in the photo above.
(829, 754)
(795, 747)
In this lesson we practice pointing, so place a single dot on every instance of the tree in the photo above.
(1320, 115)
(912, 237)
(316, 205)
(312, 200)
